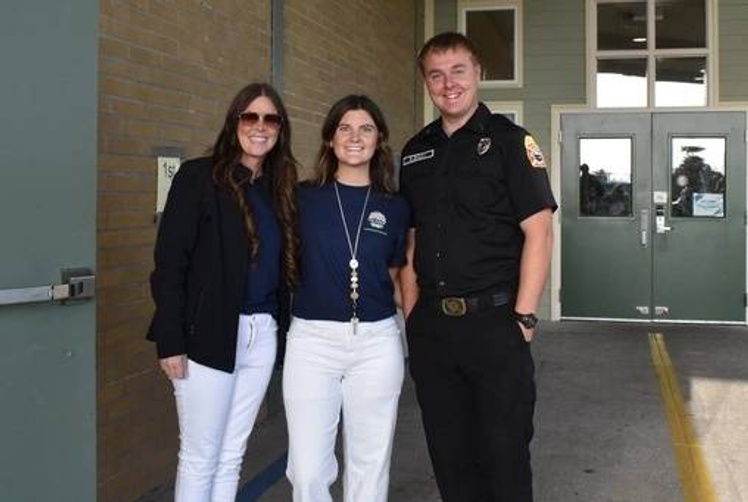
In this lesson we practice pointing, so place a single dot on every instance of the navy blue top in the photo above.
(263, 274)
(324, 289)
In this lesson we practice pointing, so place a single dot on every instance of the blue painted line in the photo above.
(255, 487)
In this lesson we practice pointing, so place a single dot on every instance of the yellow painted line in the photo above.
(694, 476)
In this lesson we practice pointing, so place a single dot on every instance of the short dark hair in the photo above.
(443, 42)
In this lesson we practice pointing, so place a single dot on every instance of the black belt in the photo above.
(456, 306)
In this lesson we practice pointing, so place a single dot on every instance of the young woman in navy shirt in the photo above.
(344, 350)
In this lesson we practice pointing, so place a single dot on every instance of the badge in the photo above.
(417, 157)
(377, 220)
(483, 145)
(534, 154)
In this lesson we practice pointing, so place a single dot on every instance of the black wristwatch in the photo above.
(529, 321)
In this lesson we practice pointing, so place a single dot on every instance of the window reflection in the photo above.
(698, 177)
(605, 177)
(493, 33)
(680, 24)
(681, 82)
(621, 83)
(651, 53)
(622, 26)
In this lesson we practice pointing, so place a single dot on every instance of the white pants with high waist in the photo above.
(217, 411)
(327, 368)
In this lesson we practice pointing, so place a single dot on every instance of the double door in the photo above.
(653, 217)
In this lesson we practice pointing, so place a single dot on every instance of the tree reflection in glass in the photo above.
(605, 177)
(697, 177)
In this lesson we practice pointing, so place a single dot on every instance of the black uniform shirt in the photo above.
(468, 193)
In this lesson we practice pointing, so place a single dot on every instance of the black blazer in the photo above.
(202, 260)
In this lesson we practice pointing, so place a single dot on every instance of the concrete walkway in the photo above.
(602, 430)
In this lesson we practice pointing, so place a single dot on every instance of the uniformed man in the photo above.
(479, 249)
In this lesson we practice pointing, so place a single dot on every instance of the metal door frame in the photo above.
(555, 281)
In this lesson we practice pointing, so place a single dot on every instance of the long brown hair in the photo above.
(280, 165)
(381, 167)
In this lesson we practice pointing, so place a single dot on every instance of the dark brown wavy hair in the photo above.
(381, 167)
(280, 165)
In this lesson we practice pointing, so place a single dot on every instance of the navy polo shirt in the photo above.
(324, 289)
(263, 273)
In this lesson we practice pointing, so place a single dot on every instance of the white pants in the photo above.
(327, 367)
(217, 411)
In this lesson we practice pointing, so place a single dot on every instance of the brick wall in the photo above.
(337, 48)
(167, 72)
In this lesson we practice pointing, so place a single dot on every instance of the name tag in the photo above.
(418, 157)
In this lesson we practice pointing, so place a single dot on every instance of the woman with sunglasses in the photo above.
(344, 349)
(225, 253)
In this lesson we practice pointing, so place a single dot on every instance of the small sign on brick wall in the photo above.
(167, 169)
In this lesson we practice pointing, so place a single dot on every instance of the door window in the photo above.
(605, 177)
(698, 179)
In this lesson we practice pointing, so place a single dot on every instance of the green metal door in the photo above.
(605, 266)
(699, 258)
(47, 216)
(652, 219)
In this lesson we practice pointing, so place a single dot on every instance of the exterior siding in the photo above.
(167, 73)
(733, 50)
(553, 59)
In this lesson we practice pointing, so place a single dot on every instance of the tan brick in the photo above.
(123, 293)
(126, 201)
(124, 275)
(131, 181)
(127, 219)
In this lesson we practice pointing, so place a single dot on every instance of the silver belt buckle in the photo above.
(454, 306)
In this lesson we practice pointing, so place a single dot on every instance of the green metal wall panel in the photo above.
(48, 217)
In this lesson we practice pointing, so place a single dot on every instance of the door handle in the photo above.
(660, 225)
(75, 284)
(644, 228)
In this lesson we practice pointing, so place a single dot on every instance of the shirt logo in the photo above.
(484, 144)
(534, 153)
(417, 157)
(377, 221)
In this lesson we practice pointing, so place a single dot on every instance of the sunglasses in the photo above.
(272, 120)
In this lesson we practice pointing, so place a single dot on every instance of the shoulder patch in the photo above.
(534, 153)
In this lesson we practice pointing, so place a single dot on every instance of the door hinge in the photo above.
(745, 299)
(661, 310)
(561, 136)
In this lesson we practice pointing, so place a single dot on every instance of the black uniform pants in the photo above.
(474, 379)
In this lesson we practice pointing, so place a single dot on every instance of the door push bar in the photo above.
(76, 284)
